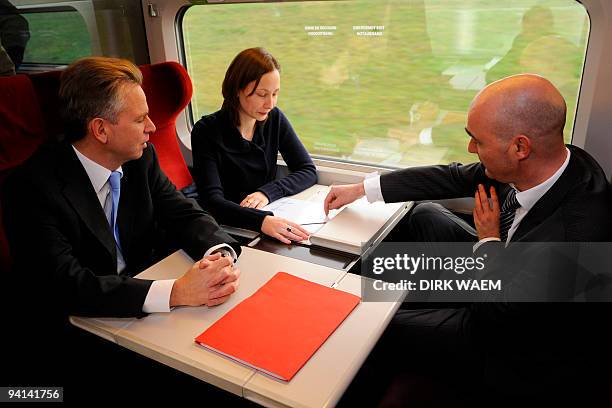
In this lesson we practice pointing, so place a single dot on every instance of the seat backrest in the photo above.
(168, 90)
(46, 85)
(22, 131)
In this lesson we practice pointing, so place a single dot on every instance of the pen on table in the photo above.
(317, 223)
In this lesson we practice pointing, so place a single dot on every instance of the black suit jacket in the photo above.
(62, 244)
(515, 336)
(227, 168)
(576, 208)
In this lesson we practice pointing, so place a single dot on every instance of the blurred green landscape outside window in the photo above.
(388, 82)
(56, 37)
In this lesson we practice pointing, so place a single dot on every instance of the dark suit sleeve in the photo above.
(47, 270)
(210, 189)
(188, 226)
(303, 172)
(434, 182)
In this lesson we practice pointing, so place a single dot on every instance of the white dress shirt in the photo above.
(158, 297)
(98, 175)
(527, 199)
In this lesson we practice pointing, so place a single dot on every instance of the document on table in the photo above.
(355, 228)
(298, 211)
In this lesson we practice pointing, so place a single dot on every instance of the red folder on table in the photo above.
(279, 327)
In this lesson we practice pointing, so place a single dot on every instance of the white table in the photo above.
(169, 337)
(323, 380)
(328, 251)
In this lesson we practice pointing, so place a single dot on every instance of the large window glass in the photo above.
(387, 82)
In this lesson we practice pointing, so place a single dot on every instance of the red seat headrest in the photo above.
(168, 89)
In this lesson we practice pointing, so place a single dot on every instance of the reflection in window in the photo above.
(388, 82)
(14, 35)
(57, 36)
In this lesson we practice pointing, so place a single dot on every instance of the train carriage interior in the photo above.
(370, 87)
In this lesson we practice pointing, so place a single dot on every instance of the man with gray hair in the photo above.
(84, 216)
(97, 209)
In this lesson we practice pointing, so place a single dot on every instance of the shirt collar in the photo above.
(528, 198)
(98, 175)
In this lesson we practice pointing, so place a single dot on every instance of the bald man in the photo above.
(560, 193)
(515, 127)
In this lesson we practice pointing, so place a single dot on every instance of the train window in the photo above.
(387, 82)
(58, 35)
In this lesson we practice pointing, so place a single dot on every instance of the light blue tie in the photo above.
(115, 185)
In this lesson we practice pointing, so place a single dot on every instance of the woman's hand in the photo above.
(255, 200)
(283, 230)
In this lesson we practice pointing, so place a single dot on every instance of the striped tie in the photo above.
(506, 217)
